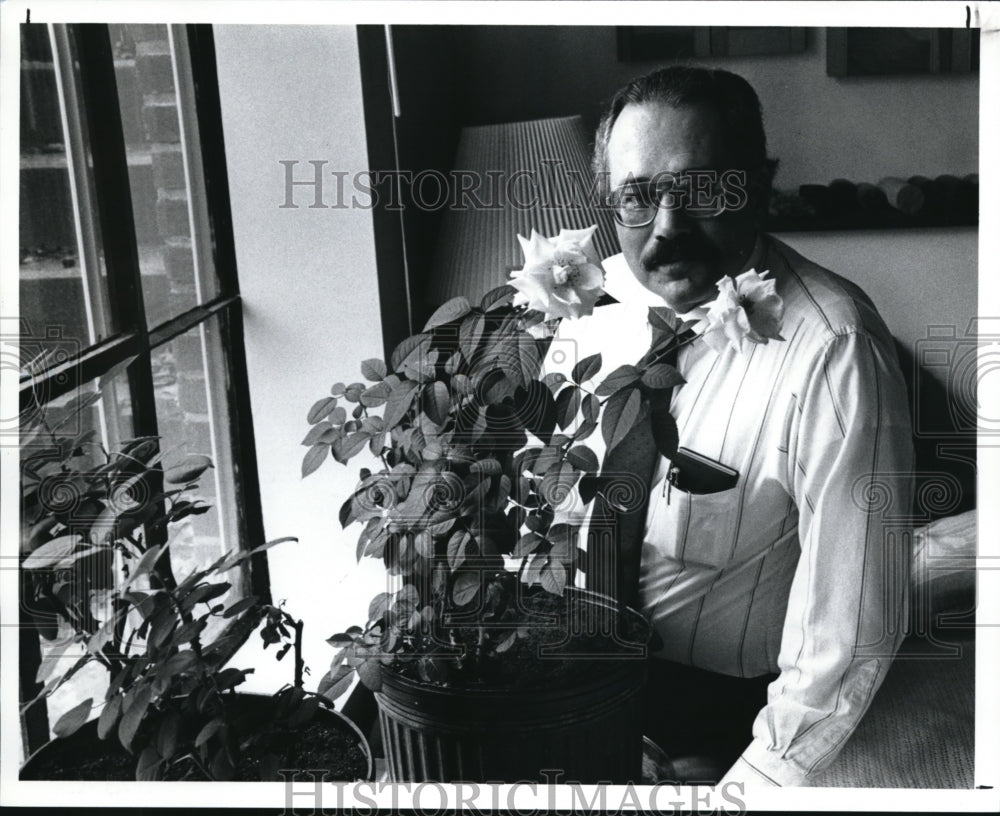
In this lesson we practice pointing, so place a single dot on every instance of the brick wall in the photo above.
(160, 189)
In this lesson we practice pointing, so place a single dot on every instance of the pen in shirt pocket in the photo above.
(694, 473)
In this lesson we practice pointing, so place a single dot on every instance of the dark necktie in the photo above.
(617, 525)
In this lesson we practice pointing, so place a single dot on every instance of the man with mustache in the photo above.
(779, 597)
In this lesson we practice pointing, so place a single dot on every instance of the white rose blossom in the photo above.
(562, 276)
(747, 310)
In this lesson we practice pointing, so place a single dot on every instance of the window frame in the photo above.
(131, 342)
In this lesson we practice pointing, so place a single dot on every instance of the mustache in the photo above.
(683, 248)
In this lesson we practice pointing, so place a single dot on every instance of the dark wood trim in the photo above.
(250, 515)
(112, 189)
(99, 359)
(177, 326)
(34, 721)
(390, 249)
(90, 364)
(113, 192)
(204, 72)
(250, 518)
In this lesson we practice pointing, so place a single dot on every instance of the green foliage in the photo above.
(477, 451)
(96, 526)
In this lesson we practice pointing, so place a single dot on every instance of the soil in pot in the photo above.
(318, 746)
(327, 743)
(81, 757)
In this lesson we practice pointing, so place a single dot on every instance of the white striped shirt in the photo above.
(795, 569)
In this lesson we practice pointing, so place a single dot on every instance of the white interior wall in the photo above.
(916, 278)
(820, 127)
(311, 306)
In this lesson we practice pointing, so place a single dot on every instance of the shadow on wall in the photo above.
(944, 417)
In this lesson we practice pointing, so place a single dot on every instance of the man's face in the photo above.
(677, 256)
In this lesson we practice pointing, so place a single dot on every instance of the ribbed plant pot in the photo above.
(587, 728)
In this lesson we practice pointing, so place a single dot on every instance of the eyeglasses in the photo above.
(697, 193)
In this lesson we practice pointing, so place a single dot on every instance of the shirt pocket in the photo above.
(708, 529)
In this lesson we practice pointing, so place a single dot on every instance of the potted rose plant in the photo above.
(487, 662)
(170, 711)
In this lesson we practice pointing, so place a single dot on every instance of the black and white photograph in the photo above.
(507, 406)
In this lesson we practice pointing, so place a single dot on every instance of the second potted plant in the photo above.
(91, 577)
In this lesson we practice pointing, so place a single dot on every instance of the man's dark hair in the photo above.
(680, 85)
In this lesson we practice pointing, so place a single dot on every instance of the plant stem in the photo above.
(669, 348)
(299, 664)
(522, 568)
(197, 763)
(186, 618)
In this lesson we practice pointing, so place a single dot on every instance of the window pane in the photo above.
(193, 418)
(163, 168)
(65, 308)
(63, 287)
(54, 503)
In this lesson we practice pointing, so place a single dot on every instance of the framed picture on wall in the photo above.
(886, 51)
(659, 43)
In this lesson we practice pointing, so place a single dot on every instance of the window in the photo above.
(128, 290)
